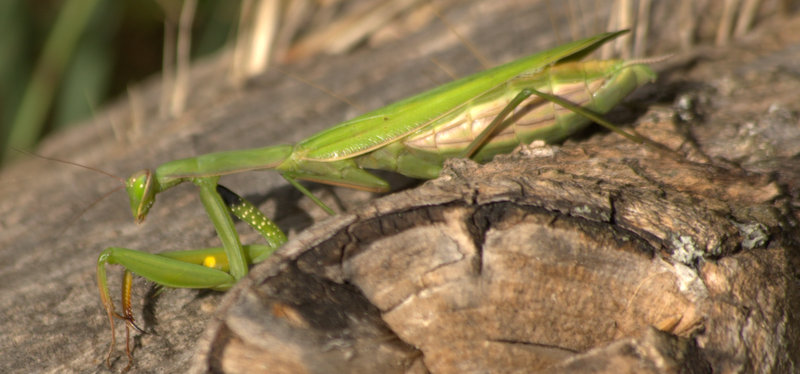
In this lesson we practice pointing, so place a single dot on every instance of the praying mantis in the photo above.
(546, 96)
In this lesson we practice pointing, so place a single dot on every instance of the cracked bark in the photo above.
(569, 258)
(526, 263)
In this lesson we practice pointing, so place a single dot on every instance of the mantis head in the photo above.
(142, 193)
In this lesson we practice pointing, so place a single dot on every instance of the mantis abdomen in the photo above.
(594, 85)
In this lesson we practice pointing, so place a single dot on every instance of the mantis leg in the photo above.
(220, 216)
(588, 114)
(308, 193)
(496, 123)
(500, 120)
(201, 268)
(345, 173)
(248, 213)
(160, 269)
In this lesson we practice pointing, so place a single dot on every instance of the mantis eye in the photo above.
(141, 193)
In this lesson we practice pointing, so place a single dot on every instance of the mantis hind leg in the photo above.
(502, 119)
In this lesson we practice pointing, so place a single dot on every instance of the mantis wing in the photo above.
(380, 127)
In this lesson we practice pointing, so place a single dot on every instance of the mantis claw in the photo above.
(131, 323)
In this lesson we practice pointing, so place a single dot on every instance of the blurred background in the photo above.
(63, 60)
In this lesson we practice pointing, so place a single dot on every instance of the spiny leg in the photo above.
(247, 212)
(163, 270)
(202, 268)
(127, 314)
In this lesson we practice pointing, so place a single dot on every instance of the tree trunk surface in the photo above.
(597, 255)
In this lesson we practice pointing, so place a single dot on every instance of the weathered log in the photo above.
(536, 259)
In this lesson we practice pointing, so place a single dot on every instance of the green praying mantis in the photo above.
(548, 96)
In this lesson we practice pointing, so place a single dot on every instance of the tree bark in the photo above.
(564, 258)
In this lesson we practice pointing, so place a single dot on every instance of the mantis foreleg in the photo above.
(216, 268)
